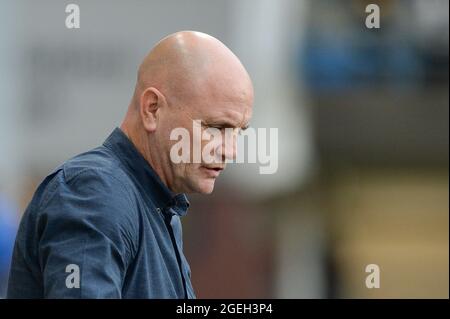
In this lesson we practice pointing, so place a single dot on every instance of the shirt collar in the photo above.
(140, 169)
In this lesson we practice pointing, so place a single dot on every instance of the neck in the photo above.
(140, 140)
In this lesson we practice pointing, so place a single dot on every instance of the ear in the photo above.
(150, 102)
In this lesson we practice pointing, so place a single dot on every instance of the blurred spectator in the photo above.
(8, 228)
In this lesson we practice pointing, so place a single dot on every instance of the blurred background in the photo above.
(362, 118)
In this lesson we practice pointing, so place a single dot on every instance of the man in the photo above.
(106, 224)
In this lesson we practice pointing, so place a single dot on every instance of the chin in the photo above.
(205, 186)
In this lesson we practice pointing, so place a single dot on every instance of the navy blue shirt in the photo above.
(102, 225)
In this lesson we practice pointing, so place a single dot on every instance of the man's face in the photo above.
(224, 116)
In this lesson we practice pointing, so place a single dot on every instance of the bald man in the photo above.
(106, 224)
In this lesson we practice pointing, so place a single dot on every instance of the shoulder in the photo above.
(85, 196)
(90, 193)
(95, 179)
(96, 163)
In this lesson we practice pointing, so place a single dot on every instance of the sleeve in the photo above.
(87, 235)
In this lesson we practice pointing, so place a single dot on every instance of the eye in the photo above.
(220, 128)
(215, 127)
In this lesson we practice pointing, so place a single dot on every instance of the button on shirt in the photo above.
(102, 225)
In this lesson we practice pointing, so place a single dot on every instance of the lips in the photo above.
(212, 171)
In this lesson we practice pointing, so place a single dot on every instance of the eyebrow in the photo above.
(225, 124)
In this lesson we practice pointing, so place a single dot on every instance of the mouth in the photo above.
(212, 171)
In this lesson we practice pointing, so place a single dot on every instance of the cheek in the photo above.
(192, 172)
(192, 169)
(211, 144)
(165, 131)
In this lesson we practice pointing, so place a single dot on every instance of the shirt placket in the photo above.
(173, 226)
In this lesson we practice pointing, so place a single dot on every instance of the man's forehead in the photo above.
(231, 114)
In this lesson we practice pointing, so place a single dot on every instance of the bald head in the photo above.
(191, 64)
